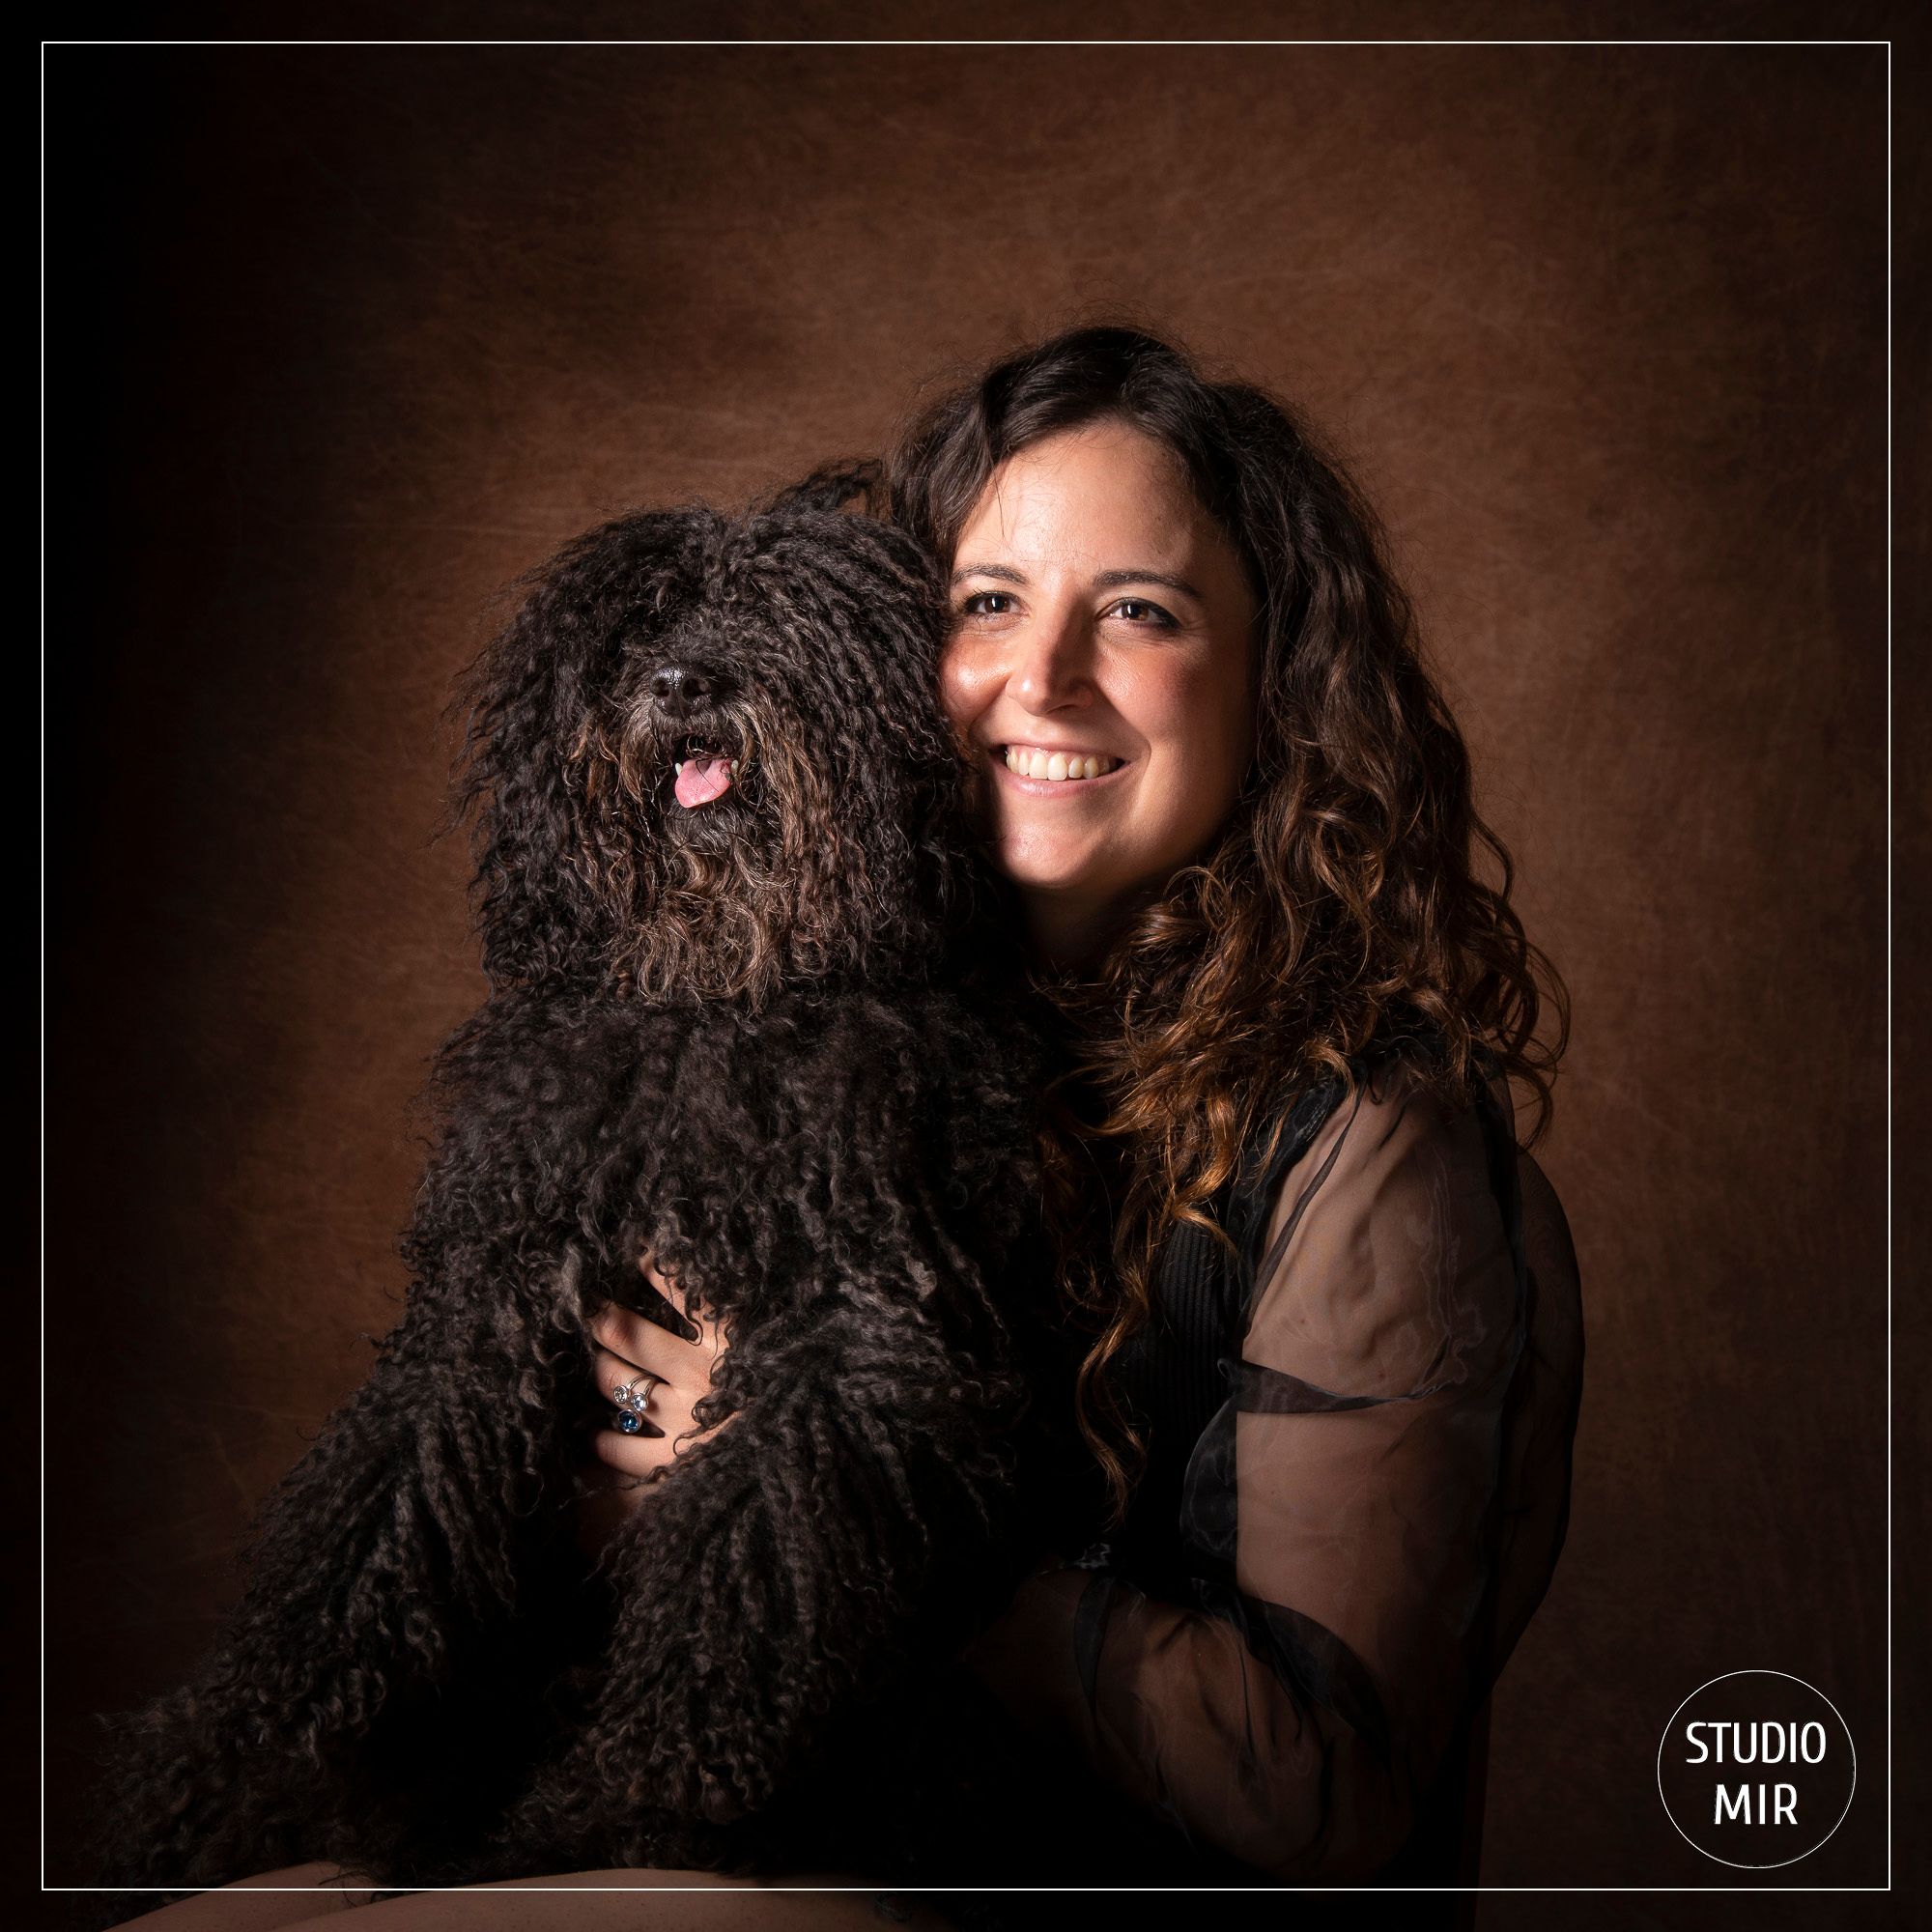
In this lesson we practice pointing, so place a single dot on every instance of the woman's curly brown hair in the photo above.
(1340, 902)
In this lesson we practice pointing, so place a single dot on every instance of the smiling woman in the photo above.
(1329, 1301)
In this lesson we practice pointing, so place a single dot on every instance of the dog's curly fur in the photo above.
(772, 1041)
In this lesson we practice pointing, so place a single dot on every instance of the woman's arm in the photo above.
(581, 1901)
(1358, 1486)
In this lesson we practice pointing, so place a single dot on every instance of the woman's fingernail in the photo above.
(660, 1309)
(630, 1423)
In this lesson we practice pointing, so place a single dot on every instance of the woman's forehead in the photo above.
(1077, 500)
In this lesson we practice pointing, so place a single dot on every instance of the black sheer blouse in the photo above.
(1360, 1435)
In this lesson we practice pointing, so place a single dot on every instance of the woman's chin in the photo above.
(1051, 875)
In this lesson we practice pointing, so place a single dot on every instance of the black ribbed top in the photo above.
(1176, 1372)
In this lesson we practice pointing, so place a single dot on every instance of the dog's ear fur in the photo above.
(525, 775)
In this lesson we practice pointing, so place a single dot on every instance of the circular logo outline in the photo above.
(1777, 1865)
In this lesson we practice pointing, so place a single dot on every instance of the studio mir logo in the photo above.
(1756, 1769)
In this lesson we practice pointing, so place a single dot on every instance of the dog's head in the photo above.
(706, 758)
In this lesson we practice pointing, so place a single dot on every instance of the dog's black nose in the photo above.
(682, 687)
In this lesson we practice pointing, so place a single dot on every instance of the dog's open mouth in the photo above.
(703, 773)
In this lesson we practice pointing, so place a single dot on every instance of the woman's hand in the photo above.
(630, 1346)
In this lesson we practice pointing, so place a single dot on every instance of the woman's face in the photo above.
(1101, 622)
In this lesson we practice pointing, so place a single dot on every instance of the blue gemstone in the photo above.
(628, 1423)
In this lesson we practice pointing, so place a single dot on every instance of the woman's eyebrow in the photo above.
(1109, 579)
(1105, 579)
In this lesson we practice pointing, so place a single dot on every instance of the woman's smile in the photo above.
(1050, 771)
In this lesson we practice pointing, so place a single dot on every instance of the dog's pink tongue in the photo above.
(701, 781)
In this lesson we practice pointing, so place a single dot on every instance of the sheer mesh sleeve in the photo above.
(1369, 1521)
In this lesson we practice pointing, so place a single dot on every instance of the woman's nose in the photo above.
(1051, 666)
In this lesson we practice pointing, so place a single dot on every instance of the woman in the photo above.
(1298, 1010)
(1333, 1438)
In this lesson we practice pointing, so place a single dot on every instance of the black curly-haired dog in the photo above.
(747, 1014)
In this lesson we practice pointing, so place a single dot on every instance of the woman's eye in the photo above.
(1139, 610)
(975, 605)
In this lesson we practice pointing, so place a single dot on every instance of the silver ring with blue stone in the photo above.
(631, 1402)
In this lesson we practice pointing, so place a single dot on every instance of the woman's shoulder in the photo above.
(1400, 1128)
(1387, 1257)
(1400, 1096)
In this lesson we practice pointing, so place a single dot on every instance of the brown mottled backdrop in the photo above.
(341, 338)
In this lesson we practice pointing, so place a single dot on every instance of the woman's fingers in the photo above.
(651, 1345)
(670, 1375)
(636, 1339)
(648, 1379)
(616, 1481)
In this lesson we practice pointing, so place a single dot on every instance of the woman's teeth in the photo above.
(1030, 763)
